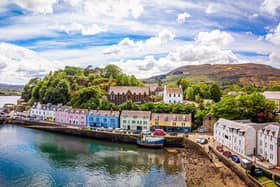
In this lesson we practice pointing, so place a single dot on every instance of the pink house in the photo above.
(62, 115)
(78, 117)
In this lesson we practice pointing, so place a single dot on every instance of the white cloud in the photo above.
(127, 44)
(274, 37)
(191, 54)
(271, 6)
(212, 8)
(37, 6)
(215, 37)
(181, 18)
(19, 64)
(74, 28)
(275, 59)
(114, 8)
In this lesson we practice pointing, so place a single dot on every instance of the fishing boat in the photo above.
(150, 141)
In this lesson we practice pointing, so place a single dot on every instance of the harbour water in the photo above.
(31, 157)
(8, 99)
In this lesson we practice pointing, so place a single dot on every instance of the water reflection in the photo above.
(59, 160)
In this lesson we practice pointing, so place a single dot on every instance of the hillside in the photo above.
(225, 74)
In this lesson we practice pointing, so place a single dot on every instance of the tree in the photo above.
(87, 97)
(190, 93)
(112, 70)
(215, 92)
(248, 106)
(129, 105)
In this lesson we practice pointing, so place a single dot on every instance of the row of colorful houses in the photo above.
(259, 140)
(126, 119)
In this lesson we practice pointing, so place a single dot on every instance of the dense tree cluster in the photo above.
(78, 87)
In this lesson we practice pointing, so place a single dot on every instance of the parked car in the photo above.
(159, 132)
(235, 158)
(173, 134)
(110, 129)
(247, 164)
(261, 158)
(201, 130)
(227, 153)
(258, 172)
(136, 132)
(220, 148)
(277, 182)
(201, 140)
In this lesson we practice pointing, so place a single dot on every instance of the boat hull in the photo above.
(152, 144)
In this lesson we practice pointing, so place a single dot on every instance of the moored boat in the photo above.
(152, 142)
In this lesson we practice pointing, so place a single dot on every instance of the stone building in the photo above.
(121, 94)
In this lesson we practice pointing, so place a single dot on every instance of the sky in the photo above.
(143, 37)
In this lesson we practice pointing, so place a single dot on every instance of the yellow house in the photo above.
(171, 122)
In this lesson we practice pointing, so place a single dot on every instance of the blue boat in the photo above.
(151, 142)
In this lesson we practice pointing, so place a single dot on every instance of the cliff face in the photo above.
(225, 74)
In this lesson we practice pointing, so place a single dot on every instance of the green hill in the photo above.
(225, 74)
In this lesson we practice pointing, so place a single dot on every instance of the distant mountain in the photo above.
(11, 87)
(225, 74)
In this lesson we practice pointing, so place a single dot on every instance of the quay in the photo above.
(119, 137)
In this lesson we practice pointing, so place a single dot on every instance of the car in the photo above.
(220, 148)
(203, 141)
(227, 153)
(277, 182)
(173, 134)
(201, 130)
(235, 158)
(159, 132)
(247, 164)
(136, 132)
(110, 129)
(258, 172)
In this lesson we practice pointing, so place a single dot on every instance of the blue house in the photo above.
(103, 118)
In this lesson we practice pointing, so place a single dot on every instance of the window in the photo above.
(124, 121)
(271, 147)
(271, 156)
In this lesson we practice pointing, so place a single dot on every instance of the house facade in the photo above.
(77, 117)
(172, 95)
(274, 96)
(36, 111)
(49, 111)
(269, 143)
(239, 136)
(103, 118)
(121, 94)
(135, 120)
(171, 122)
(62, 115)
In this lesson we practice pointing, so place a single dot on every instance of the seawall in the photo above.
(170, 141)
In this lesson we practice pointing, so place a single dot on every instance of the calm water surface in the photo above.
(36, 158)
(8, 99)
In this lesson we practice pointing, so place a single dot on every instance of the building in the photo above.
(103, 118)
(135, 120)
(171, 122)
(274, 96)
(172, 95)
(156, 89)
(121, 94)
(62, 115)
(269, 143)
(239, 136)
(77, 117)
(36, 111)
(208, 123)
(49, 111)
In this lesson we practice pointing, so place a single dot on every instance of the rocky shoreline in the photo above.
(200, 171)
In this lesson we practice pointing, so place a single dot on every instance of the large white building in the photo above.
(239, 136)
(43, 111)
(268, 143)
(172, 95)
(135, 120)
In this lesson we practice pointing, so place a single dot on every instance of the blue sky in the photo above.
(143, 37)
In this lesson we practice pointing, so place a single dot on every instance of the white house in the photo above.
(172, 95)
(268, 143)
(49, 111)
(36, 111)
(135, 120)
(274, 96)
(239, 136)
